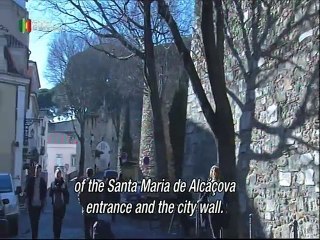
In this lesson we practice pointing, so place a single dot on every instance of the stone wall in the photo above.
(169, 69)
(147, 140)
(275, 106)
(135, 115)
(102, 128)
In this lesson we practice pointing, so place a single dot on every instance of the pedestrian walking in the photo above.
(60, 198)
(36, 191)
(111, 196)
(217, 221)
(85, 197)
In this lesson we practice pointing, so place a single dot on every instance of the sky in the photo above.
(39, 41)
(38, 44)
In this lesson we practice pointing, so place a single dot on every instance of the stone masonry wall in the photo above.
(102, 128)
(147, 139)
(275, 108)
(169, 69)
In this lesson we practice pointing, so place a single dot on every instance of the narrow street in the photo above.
(73, 224)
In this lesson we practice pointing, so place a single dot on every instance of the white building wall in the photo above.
(32, 113)
(66, 150)
(43, 142)
(19, 135)
(10, 14)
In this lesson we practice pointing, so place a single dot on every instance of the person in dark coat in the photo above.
(111, 197)
(60, 198)
(216, 220)
(36, 191)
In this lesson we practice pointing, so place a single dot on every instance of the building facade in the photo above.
(32, 122)
(14, 88)
(100, 135)
(171, 78)
(62, 153)
(62, 149)
(42, 139)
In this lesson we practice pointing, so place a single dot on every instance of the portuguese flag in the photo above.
(25, 25)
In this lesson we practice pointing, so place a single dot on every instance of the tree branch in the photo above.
(114, 33)
(289, 27)
(75, 130)
(101, 49)
(229, 37)
(209, 114)
(236, 99)
(243, 29)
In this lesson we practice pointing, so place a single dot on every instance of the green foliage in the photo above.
(83, 89)
(44, 97)
(177, 123)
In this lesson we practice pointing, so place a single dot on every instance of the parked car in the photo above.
(135, 197)
(110, 174)
(3, 218)
(12, 209)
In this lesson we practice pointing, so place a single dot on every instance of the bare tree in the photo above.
(63, 46)
(264, 40)
(125, 79)
(61, 50)
(219, 116)
(231, 21)
(82, 88)
(81, 94)
(125, 21)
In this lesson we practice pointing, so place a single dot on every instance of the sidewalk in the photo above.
(126, 228)
(73, 227)
(45, 226)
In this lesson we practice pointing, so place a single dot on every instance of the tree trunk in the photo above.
(227, 164)
(158, 126)
(213, 41)
(195, 80)
(126, 138)
(177, 124)
(116, 116)
(151, 78)
(82, 150)
(220, 120)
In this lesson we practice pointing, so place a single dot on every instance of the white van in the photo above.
(12, 209)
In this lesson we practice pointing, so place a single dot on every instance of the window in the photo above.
(59, 160)
(73, 160)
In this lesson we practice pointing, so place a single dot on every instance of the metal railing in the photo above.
(295, 229)
(250, 226)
